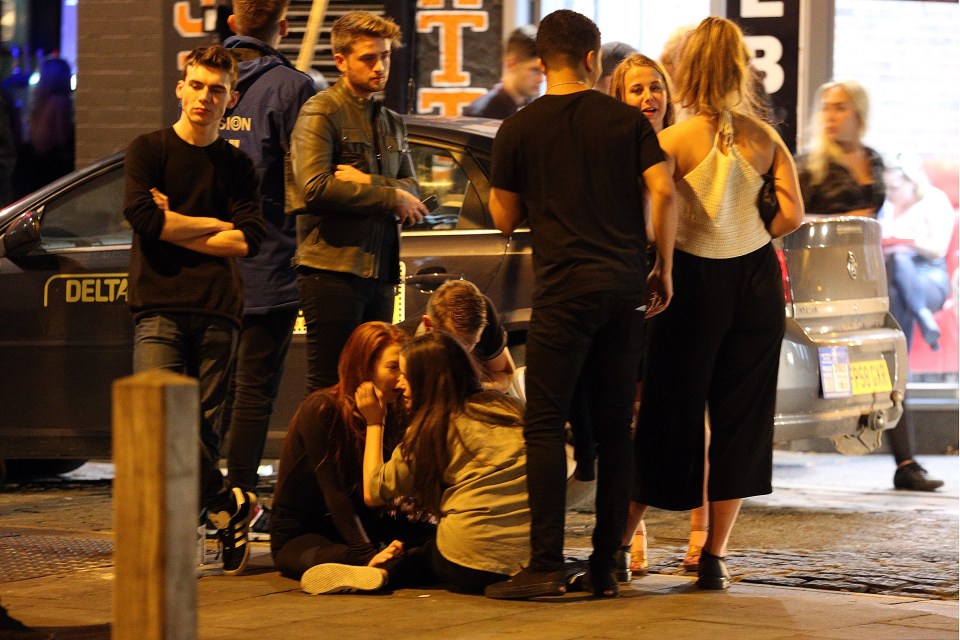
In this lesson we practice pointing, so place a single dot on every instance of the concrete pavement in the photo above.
(72, 601)
(261, 604)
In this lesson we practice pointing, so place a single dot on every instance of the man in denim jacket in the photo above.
(353, 172)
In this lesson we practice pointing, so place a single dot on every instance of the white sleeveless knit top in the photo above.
(717, 203)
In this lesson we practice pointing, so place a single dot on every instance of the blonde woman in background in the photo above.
(839, 174)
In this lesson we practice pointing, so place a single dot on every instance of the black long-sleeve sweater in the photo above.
(311, 489)
(217, 181)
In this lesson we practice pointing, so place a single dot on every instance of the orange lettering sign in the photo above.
(451, 25)
(457, 4)
(183, 20)
(450, 101)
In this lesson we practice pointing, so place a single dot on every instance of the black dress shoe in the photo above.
(712, 572)
(604, 587)
(913, 477)
(529, 584)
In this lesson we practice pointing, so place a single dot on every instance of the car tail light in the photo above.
(785, 274)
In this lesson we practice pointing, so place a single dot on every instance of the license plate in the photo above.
(840, 378)
(870, 376)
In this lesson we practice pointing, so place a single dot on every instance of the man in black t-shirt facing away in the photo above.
(460, 309)
(193, 202)
(575, 163)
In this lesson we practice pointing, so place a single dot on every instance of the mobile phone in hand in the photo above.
(431, 202)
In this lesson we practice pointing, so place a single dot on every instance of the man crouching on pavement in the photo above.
(460, 309)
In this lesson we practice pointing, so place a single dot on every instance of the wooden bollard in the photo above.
(155, 506)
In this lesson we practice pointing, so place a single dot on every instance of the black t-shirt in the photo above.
(311, 487)
(839, 191)
(496, 103)
(576, 160)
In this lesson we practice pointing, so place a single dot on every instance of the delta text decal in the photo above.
(85, 288)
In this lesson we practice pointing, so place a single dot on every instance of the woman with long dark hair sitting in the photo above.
(463, 459)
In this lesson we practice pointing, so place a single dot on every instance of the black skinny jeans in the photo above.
(422, 563)
(298, 542)
(334, 304)
(595, 337)
(264, 342)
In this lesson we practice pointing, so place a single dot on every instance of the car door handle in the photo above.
(430, 282)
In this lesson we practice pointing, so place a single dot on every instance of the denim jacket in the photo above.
(340, 224)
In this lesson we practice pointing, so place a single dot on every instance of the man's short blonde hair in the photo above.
(358, 24)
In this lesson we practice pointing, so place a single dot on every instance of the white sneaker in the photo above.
(341, 578)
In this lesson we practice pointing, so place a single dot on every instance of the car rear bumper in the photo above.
(802, 410)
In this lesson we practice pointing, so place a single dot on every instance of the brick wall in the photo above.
(119, 74)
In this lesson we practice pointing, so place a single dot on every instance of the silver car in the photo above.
(843, 363)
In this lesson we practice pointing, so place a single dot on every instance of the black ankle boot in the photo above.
(712, 572)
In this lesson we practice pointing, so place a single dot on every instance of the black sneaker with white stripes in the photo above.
(233, 529)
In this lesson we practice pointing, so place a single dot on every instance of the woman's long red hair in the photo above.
(358, 362)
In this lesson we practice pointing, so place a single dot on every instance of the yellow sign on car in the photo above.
(870, 376)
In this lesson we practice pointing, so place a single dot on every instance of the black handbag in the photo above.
(767, 200)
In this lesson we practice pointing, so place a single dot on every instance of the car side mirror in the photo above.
(21, 237)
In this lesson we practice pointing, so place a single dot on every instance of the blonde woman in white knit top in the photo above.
(717, 346)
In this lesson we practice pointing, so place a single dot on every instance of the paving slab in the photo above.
(262, 604)
(71, 597)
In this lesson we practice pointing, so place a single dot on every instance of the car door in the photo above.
(458, 240)
(65, 332)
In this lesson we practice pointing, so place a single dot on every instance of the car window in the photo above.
(90, 215)
(439, 173)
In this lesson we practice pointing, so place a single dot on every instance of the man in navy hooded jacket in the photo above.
(271, 93)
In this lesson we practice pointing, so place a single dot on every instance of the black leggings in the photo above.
(419, 566)
(460, 579)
